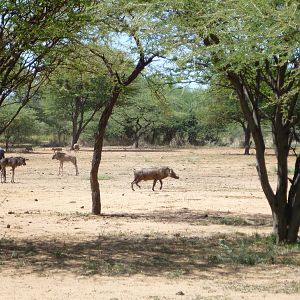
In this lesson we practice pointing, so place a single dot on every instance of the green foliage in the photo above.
(22, 129)
(33, 39)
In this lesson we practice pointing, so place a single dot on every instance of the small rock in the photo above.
(181, 293)
(123, 194)
(82, 206)
(7, 226)
(11, 212)
(36, 200)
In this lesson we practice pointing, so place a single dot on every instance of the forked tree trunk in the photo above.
(285, 216)
(115, 93)
(98, 145)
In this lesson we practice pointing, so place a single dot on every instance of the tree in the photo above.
(255, 46)
(135, 25)
(34, 36)
(75, 93)
(22, 127)
(139, 113)
(222, 108)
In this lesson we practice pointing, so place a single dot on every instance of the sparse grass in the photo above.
(291, 170)
(171, 257)
(236, 221)
(255, 250)
(285, 287)
(105, 177)
(106, 267)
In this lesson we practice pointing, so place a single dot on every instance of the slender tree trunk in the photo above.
(293, 206)
(75, 138)
(59, 138)
(247, 137)
(136, 141)
(6, 144)
(98, 145)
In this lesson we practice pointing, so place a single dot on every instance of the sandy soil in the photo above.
(143, 244)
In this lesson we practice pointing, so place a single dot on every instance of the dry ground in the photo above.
(167, 244)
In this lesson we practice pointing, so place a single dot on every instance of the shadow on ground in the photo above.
(151, 255)
(197, 217)
(112, 256)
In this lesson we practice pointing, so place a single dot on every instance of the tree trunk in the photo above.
(136, 142)
(293, 206)
(6, 144)
(247, 137)
(98, 145)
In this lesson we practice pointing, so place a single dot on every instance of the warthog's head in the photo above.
(54, 156)
(172, 174)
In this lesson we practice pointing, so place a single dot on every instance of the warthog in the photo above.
(62, 157)
(12, 162)
(155, 174)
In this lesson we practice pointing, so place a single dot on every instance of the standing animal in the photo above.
(155, 174)
(62, 157)
(12, 162)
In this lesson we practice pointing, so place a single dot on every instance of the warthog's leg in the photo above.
(154, 183)
(135, 182)
(160, 184)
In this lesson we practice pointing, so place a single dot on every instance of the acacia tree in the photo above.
(135, 26)
(222, 108)
(139, 114)
(255, 46)
(33, 39)
(22, 127)
(75, 93)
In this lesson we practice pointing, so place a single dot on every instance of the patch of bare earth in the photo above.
(182, 242)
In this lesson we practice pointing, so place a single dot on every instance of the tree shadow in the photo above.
(113, 255)
(195, 217)
(153, 254)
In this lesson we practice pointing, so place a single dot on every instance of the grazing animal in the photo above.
(12, 162)
(155, 174)
(62, 157)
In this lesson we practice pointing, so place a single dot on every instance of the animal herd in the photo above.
(144, 174)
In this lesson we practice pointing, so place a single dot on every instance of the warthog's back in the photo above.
(151, 173)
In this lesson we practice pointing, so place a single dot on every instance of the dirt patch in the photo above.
(170, 244)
